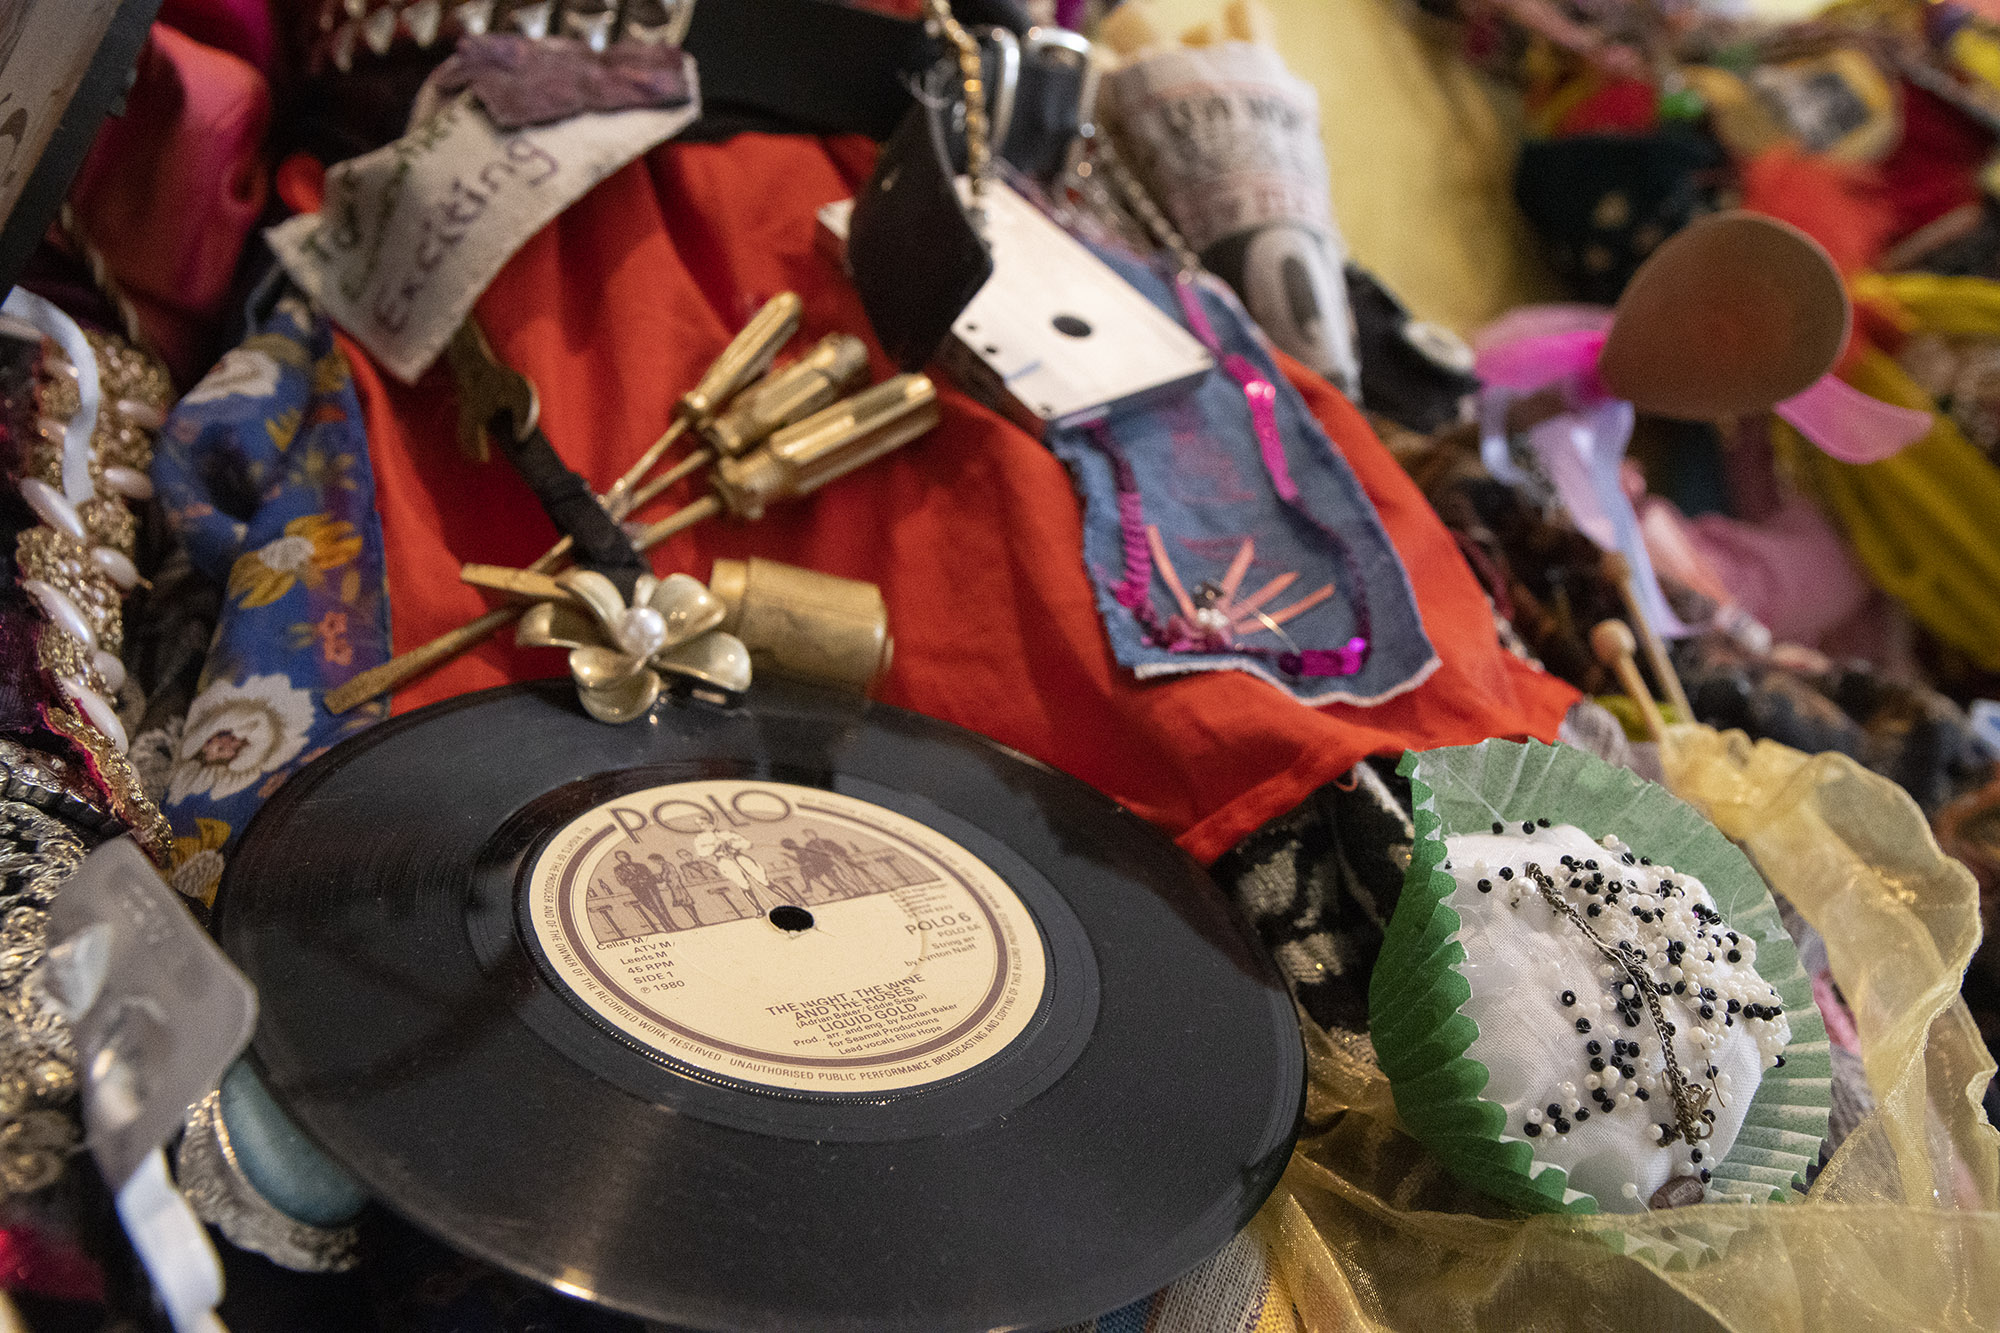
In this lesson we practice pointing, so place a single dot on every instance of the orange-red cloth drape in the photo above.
(973, 532)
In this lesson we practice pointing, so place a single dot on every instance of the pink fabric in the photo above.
(1528, 364)
(1791, 571)
(241, 27)
(172, 188)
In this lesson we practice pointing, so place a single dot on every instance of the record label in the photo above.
(786, 937)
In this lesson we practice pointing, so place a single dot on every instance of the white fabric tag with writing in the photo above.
(411, 234)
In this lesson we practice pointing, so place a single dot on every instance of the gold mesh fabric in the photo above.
(1900, 1232)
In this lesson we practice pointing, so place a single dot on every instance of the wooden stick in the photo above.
(398, 671)
(1620, 572)
(1613, 643)
(527, 583)
(685, 517)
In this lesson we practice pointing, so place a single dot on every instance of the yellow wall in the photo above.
(1420, 150)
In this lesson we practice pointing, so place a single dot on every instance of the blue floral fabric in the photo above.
(1202, 482)
(263, 473)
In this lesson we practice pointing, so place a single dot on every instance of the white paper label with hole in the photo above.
(1055, 338)
(786, 936)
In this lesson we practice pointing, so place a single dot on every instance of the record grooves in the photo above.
(809, 1014)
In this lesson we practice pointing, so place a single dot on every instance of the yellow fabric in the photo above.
(1421, 151)
(1953, 307)
(1926, 523)
(1900, 1232)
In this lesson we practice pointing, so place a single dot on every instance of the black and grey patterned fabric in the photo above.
(1320, 883)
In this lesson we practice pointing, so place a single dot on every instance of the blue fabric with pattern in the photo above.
(263, 473)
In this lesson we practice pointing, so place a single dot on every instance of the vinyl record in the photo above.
(808, 1014)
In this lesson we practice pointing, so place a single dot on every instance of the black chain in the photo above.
(1690, 1098)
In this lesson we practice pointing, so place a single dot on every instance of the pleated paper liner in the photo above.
(1422, 1040)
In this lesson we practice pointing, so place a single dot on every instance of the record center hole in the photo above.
(793, 919)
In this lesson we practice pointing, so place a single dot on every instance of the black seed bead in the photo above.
(1663, 988)
(1554, 1110)
(1708, 992)
(1527, 827)
(1583, 1025)
(1596, 1064)
(1706, 1175)
(1541, 823)
(1642, 1094)
(1631, 1018)
(1562, 1126)
(1708, 1011)
(1486, 886)
(1629, 1071)
(1628, 858)
(1734, 956)
(1531, 1129)
(1499, 827)
(1590, 865)
(1780, 1063)
(1735, 1006)
(1568, 998)
(1695, 1156)
(1590, 889)
(1594, 909)
(1506, 872)
(1593, 1047)
(1582, 1114)
(1670, 1028)
(1680, 988)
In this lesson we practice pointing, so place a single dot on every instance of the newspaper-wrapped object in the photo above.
(1227, 140)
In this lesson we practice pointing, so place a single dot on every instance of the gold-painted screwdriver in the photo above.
(793, 462)
(748, 355)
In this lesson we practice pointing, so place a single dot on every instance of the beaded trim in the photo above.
(348, 29)
(77, 565)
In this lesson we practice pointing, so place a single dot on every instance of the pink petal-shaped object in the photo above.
(1850, 425)
(1528, 364)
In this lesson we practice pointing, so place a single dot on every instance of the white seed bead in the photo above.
(141, 414)
(98, 711)
(129, 482)
(61, 610)
(109, 667)
(50, 506)
(116, 566)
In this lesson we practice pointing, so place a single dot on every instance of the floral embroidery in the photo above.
(330, 633)
(236, 734)
(195, 867)
(243, 372)
(311, 546)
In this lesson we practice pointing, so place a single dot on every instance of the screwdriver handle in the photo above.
(788, 395)
(801, 458)
(748, 355)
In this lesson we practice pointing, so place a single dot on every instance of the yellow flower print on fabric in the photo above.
(311, 546)
(195, 863)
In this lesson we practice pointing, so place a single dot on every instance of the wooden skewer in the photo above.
(1620, 572)
(1614, 645)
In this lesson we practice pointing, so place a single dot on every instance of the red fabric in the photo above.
(973, 532)
(172, 187)
(1935, 164)
(1842, 207)
(1620, 106)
